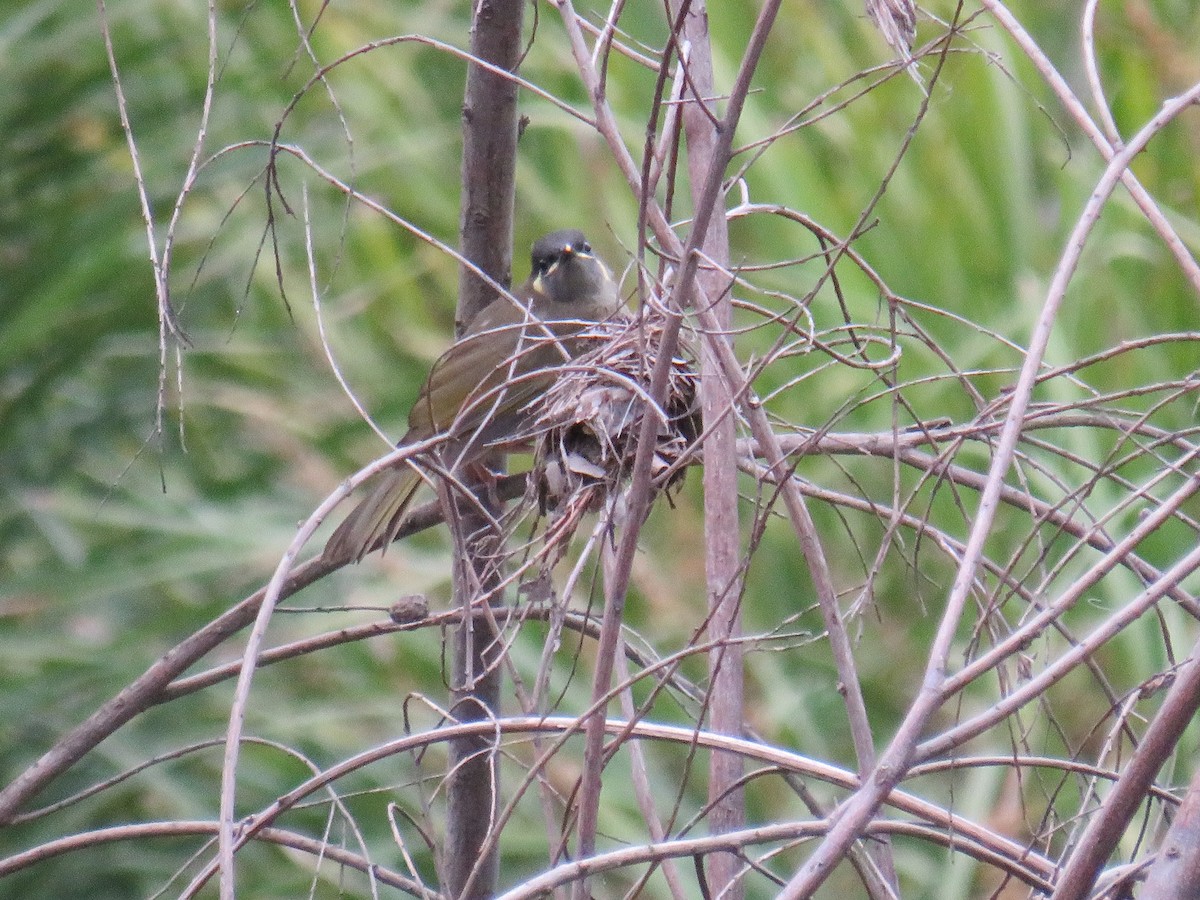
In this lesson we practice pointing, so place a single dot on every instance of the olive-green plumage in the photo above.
(478, 392)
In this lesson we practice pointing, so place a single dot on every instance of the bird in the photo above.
(478, 392)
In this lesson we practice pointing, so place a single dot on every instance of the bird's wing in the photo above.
(478, 388)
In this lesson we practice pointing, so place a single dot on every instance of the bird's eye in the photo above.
(585, 246)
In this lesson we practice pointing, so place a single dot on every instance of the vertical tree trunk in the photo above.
(721, 531)
(486, 227)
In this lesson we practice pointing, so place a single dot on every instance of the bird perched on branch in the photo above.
(478, 393)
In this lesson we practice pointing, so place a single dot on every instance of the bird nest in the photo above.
(590, 420)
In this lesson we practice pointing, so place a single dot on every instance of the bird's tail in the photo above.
(376, 519)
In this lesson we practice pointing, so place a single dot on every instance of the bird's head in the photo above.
(568, 273)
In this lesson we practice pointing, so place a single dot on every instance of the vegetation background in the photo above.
(144, 496)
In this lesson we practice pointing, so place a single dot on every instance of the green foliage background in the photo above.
(102, 570)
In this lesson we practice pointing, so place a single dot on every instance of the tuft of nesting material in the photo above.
(590, 419)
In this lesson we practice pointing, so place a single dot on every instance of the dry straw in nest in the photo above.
(591, 417)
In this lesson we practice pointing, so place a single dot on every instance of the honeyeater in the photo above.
(478, 393)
